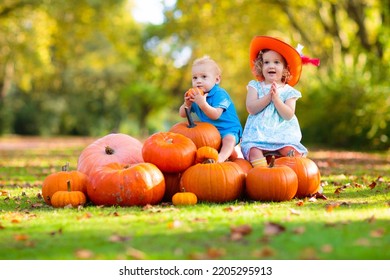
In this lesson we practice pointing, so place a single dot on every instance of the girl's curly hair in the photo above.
(258, 67)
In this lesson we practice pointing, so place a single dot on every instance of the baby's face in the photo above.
(273, 66)
(205, 76)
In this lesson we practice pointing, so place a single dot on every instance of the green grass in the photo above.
(351, 224)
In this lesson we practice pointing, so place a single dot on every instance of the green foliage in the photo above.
(86, 67)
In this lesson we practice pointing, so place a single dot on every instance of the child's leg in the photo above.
(256, 157)
(285, 150)
(228, 144)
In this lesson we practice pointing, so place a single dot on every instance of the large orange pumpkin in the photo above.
(201, 133)
(126, 185)
(309, 177)
(169, 151)
(58, 181)
(114, 147)
(271, 183)
(214, 182)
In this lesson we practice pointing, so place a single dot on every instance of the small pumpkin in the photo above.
(169, 151)
(271, 183)
(206, 153)
(114, 147)
(126, 185)
(309, 177)
(58, 181)
(68, 197)
(214, 182)
(194, 90)
(201, 133)
(184, 198)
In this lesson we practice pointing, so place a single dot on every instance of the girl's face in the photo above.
(273, 66)
(205, 76)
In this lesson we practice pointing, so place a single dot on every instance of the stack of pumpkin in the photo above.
(179, 166)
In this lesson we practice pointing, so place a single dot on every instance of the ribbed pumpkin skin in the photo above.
(58, 182)
(169, 151)
(114, 147)
(214, 182)
(277, 183)
(206, 152)
(64, 198)
(309, 176)
(203, 134)
(118, 184)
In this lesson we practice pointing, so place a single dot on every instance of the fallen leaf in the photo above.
(371, 219)
(294, 212)
(214, 253)
(377, 233)
(300, 203)
(21, 237)
(175, 224)
(84, 254)
(242, 229)
(265, 252)
(319, 195)
(232, 208)
(135, 254)
(372, 185)
(116, 238)
(299, 230)
(327, 248)
(271, 229)
(363, 242)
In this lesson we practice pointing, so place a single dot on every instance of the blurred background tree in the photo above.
(87, 67)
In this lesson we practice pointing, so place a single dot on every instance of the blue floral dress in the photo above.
(267, 130)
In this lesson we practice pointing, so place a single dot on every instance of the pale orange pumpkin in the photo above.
(114, 147)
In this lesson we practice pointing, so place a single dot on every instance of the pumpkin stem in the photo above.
(191, 122)
(65, 167)
(68, 186)
(291, 153)
(272, 162)
(109, 150)
(183, 189)
(209, 160)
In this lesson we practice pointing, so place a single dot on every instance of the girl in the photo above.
(271, 99)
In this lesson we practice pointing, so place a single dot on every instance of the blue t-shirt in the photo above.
(228, 122)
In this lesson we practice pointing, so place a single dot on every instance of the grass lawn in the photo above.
(353, 223)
